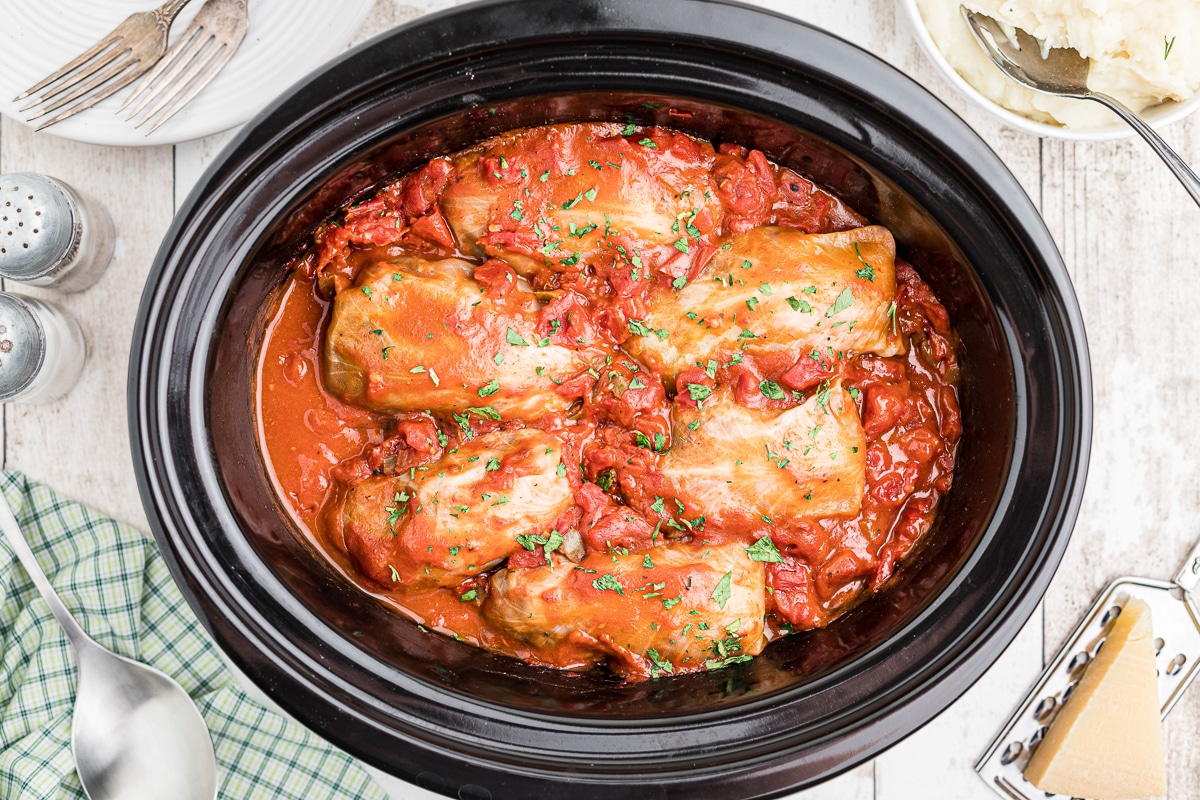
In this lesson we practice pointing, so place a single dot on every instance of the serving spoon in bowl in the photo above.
(135, 733)
(1063, 72)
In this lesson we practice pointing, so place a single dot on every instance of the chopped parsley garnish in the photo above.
(657, 505)
(490, 388)
(385, 351)
(607, 582)
(433, 376)
(698, 391)
(843, 301)
(487, 412)
(639, 328)
(493, 464)
(766, 289)
(590, 194)
(647, 563)
(562, 470)
(764, 550)
(799, 305)
(571, 260)
(657, 665)
(723, 590)
(567, 206)
(671, 602)
(891, 312)
(1168, 47)
(681, 244)
(545, 176)
(636, 383)
(867, 272)
(646, 141)
(771, 390)
(679, 282)
(395, 579)
(468, 596)
(629, 130)
(752, 303)
(746, 265)
(367, 291)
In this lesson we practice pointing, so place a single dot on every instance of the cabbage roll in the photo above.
(779, 291)
(558, 195)
(416, 335)
(461, 516)
(740, 465)
(675, 607)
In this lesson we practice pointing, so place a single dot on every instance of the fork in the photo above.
(108, 66)
(194, 60)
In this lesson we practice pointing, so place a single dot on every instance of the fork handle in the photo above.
(169, 10)
(1177, 165)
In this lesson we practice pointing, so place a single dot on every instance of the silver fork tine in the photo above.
(227, 52)
(84, 57)
(74, 80)
(214, 36)
(108, 91)
(119, 81)
(166, 69)
(96, 82)
(114, 62)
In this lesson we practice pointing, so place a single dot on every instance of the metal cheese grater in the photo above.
(1177, 645)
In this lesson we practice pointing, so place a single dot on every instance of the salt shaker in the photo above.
(50, 234)
(41, 350)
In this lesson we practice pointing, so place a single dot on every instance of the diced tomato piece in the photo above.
(433, 228)
(693, 377)
(795, 599)
(496, 276)
(808, 371)
(527, 559)
(883, 407)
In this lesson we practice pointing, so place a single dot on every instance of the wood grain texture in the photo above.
(1125, 228)
(80, 444)
(1122, 223)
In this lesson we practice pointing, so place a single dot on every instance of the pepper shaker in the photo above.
(42, 350)
(50, 234)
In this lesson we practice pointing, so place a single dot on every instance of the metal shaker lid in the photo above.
(37, 225)
(22, 345)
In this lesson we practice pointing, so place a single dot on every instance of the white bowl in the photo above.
(1156, 116)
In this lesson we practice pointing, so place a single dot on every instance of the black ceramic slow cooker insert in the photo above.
(468, 723)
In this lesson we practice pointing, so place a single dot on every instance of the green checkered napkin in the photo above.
(114, 581)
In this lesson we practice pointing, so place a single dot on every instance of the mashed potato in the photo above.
(1143, 51)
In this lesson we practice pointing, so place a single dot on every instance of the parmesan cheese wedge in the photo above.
(1106, 743)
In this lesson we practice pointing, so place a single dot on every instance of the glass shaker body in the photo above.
(50, 234)
(42, 350)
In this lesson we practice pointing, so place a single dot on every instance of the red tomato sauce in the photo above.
(317, 445)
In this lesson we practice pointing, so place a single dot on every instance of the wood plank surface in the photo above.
(80, 444)
(1124, 227)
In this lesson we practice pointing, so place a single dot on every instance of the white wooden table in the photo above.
(1118, 216)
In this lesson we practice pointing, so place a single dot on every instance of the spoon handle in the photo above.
(16, 540)
(1182, 171)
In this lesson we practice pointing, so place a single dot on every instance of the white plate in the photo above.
(286, 41)
(1156, 116)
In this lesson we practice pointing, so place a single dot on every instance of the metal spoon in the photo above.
(136, 735)
(1063, 72)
